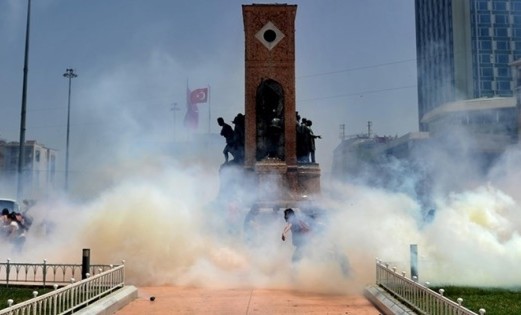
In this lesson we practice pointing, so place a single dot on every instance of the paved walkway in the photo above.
(181, 300)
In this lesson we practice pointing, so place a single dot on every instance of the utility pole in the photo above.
(369, 129)
(19, 192)
(69, 74)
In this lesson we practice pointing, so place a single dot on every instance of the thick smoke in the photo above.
(463, 212)
(163, 218)
(134, 197)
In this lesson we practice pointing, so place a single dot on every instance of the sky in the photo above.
(355, 62)
(131, 199)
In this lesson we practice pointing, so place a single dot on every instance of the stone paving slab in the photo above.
(183, 300)
(111, 303)
(385, 302)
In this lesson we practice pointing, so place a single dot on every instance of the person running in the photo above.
(300, 231)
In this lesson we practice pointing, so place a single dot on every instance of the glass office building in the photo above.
(464, 50)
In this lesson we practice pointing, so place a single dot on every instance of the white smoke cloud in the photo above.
(474, 239)
(165, 221)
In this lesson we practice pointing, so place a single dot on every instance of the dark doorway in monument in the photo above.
(270, 120)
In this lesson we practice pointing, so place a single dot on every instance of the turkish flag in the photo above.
(199, 96)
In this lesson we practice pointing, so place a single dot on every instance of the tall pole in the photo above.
(19, 192)
(69, 74)
(209, 110)
(175, 108)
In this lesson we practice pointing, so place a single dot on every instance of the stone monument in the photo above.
(270, 111)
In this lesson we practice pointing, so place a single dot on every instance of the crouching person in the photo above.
(300, 233)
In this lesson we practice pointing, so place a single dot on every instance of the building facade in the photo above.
(469, 100)
(464, 50)
(517, 76)
(38, 169)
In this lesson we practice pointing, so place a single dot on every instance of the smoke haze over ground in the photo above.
(162, 219)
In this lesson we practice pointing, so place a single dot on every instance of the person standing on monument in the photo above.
(227, 133)
(304, 141)
(239, 137)
(300, 139)
(311, 140)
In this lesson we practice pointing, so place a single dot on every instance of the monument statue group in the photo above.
(272, 148)
(270, 142)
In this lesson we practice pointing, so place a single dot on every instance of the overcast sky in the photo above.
(355, 62)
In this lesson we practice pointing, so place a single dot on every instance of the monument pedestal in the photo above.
(278, 185)
(272, 184)
(308, 179)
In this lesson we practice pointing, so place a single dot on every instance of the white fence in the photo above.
(72, 297)
(417, 297)
(43, 273)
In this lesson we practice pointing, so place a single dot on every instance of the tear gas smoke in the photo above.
(164, 222)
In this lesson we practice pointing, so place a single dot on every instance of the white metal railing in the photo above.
(76, 295)
(43, 273)
(417, 296)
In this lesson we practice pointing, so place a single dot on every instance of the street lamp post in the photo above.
(69, 74)
(19, 191)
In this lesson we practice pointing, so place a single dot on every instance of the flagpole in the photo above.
(187, 131)
(209, 109)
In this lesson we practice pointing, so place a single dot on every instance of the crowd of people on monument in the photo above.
(235, 138)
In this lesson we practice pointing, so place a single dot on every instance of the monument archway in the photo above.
(269, 102)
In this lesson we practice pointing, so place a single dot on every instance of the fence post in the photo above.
(85, 263)
(55, 300)
(123, 273)
(35, 294)
(414, 262)
(7, 271)
(44, 271)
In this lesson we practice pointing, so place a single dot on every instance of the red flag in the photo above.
(199, 96)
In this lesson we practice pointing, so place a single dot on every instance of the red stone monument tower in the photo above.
(270, 109)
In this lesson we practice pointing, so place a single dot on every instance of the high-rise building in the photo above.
(517, 76)
(469, 72)
(464, 51)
